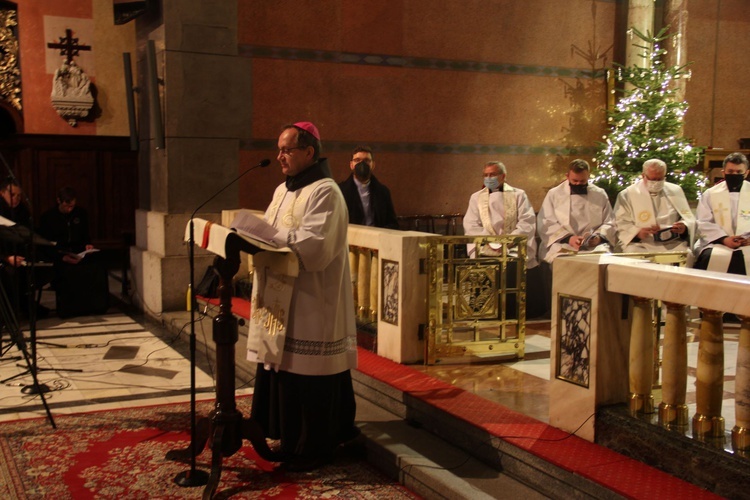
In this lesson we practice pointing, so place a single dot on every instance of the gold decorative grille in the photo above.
(477, 305)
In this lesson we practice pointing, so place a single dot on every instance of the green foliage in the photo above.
(647, 123)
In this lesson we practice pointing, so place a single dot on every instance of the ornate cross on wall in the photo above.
(71, 87)
(68, 46)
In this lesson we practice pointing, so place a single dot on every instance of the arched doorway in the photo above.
(11, 121)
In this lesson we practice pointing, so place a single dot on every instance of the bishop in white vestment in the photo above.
(303, 390)
(653, 215)
(724, 221)
(575, 217)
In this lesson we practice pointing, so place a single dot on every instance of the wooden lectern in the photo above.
(225, 428)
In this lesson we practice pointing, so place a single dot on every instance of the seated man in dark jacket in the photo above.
(80, 279)
(67, 225)
(369, 201)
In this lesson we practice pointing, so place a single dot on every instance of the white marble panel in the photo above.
(537, 343)
(573, 406)
(537, 367)
(399, 342)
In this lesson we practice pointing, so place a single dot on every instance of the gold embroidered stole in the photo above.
(721, 207)
(273, 284)
(643, 206)
(510, 218)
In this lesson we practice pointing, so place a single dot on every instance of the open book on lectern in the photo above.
(254, 231)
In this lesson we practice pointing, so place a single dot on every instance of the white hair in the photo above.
(497, 164)
(655, 164)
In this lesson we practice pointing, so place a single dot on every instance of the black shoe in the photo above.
(353, 434)
(356, 447)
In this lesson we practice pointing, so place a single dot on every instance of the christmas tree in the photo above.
(647, 123)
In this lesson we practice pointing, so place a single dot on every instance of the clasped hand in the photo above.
(736, 241)
(577, 241)
(645, 232)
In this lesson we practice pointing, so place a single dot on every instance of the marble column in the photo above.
(363, 283)
(354, 271)
(641, 357)
(709, 385)
(373, 305)
(204, 120)
(673, 412)
(640, 17)
(741, 430)
(676, 17)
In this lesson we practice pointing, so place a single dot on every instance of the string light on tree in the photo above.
(647, 123)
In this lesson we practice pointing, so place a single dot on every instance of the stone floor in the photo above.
(95, 363)
(523, 385)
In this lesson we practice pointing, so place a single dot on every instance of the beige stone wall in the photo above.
(533, 117)
(526, 111)
(112, 41)
(719, 111)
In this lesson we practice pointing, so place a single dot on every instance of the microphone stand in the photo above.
(196, 477)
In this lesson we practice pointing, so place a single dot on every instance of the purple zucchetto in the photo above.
(308, 127)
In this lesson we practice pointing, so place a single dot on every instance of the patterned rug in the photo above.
(120, 454)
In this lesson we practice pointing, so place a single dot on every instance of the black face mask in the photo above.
(579, 189)
(734, 182)
(362, 171)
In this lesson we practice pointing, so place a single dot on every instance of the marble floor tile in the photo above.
(97, 362)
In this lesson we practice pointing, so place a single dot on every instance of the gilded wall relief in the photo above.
(10, 70)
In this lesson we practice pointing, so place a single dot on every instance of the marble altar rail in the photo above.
(602, 343)
(390, 289)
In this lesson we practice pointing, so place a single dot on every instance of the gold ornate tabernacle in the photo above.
(477, 304)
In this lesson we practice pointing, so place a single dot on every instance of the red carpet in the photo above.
(120, 454)
(616, 472)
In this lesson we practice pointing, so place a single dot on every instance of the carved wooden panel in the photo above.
(102, 170)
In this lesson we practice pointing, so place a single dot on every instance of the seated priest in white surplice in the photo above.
(575, 217)
(724, 221)
(498, 209)
(653, 215)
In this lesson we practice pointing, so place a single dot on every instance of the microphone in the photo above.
(262, 163)
(195, 477)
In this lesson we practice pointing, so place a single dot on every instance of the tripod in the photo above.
(34, 342)
(11, 342)
(10, 322)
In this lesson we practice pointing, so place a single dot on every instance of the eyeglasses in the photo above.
(288, 151)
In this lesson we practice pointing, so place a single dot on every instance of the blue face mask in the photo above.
(491, 183)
